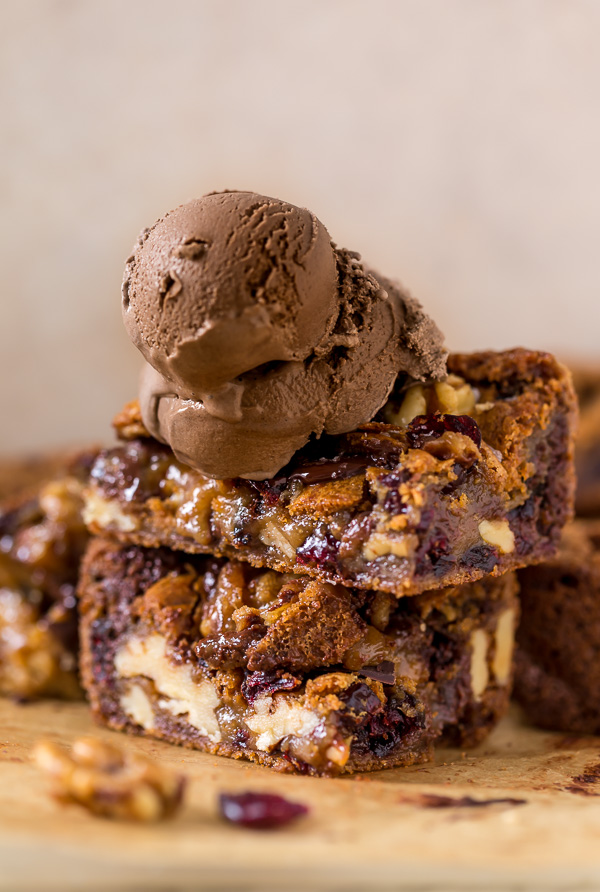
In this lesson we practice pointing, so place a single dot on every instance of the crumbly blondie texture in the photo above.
(557, 674)
(466, 477)
(42, 540)
(292, 672)
(587, 451)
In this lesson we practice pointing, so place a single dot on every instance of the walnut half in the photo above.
(110, 783)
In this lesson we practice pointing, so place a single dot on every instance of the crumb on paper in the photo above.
(109, 782)
(435, 800)
(584, 784)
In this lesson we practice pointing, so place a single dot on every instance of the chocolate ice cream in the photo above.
(258, 332)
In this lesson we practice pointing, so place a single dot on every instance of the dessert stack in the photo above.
(303, 545)
(303, 548)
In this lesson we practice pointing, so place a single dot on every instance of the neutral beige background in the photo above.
(455, 143)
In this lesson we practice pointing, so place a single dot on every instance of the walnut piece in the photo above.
(480, 673)
(128, 423)
(499, 534)
(33, 661)
(451, 396)
(110, 783)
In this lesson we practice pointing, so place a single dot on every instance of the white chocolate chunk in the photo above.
(104, 514)
(499, 534)
(147, 657)
(480, 674)
(276, 718)
(504, 639)
(137, 706)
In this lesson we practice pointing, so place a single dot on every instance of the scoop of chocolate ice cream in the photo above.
(227, 283)
(259, 332)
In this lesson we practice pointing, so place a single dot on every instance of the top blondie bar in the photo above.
(452, 481)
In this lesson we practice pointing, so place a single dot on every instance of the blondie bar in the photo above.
(292, 672)
(42, 539)
(453, 481)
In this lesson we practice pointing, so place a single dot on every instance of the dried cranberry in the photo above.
(436, 554)
(425, 428)
(381, 733)
(394, 478)
(439, 548)
(393, 503)
(444, 653)
(461, 475)
(269, 490)
(241, 536)
(481, 557)
(320, 548)
(386, 731)
(241, 736)
(360, 704)
(260, 811)
(258, 684)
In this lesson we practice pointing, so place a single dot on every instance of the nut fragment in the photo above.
(275, 537)
(109, 782)
(480, 673)
(499, 534)
(379, 544)
(504, 644)
(455, 396)
(413, 404)
(452, 396)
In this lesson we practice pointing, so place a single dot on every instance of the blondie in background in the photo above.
(454, 143)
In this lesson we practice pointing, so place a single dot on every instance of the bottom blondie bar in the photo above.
(297, 674)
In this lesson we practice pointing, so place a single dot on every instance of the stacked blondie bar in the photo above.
(350, 613)
(303, 550)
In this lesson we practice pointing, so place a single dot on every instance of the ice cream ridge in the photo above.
(259, 332)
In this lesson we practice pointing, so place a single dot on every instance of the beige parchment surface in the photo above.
(373, 832)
